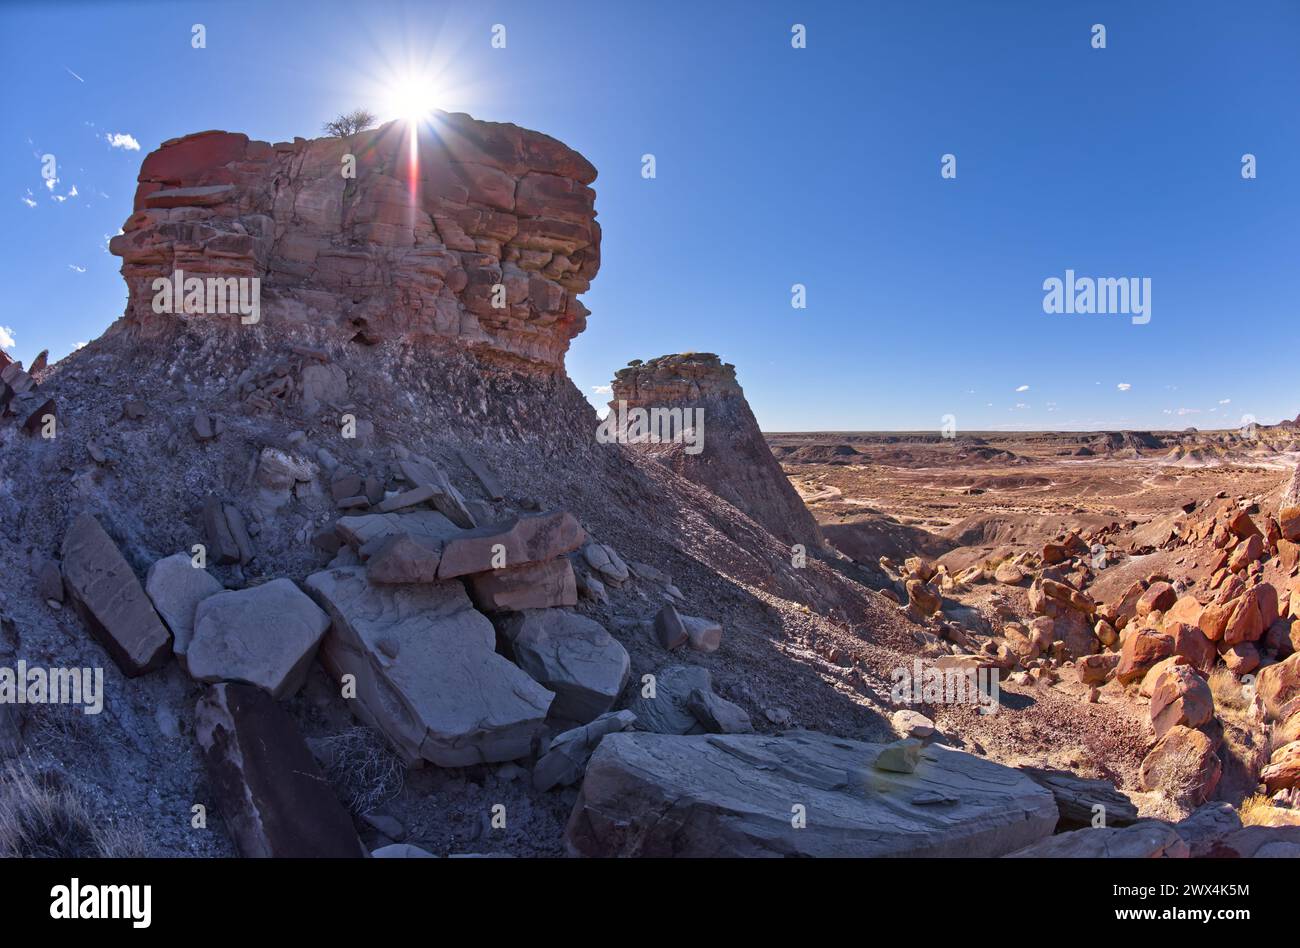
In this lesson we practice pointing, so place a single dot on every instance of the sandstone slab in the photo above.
(110, 601)
(733, 795)
(264, 635)
(269, 789)
(571, 655)
(531, 538)
(537, 586)
(176, 587)
(427, 672)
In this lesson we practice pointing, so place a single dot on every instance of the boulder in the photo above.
(269, 789)
(176, 587)
(1240, 659)
(110, 601)
(716, 714)
(1096, 669)
(1258, 842)
(404, 558)
(1279, 684)
(570, 655)
(1283, 770)
(670, 630)
(264, 635)
(1078, 799)
(531, 538)
(922, 598)
(427, 674)
(1158, 597)
(703, 635)
(1207, 826)
(900, 757)
(1245, 622)
(1180, 697)
(1190, 642)
(537, 586)
(562, 763)
(1141, 650)
(663, 704)
(1182, 764)
(749, 795)
(1147, 839)
(605, 561)
(446, 499)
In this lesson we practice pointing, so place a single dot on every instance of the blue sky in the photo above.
(775, 166)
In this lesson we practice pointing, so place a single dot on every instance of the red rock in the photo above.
(1191, 643)
(1283, 770)
(1288, 519)
(1180, 697)
(1240, 659)
(181, 160)
(1246, 553)
(1157, 597)
(1095, 669)
(1242, 526)
(1183, 763)
(530, 538)
(1277, 685)
(1245, 623)
(110, 600)
(1142, 649)
(537, 586)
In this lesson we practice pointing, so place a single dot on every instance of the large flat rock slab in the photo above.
(176, 587)
(649, 794)
(265, 635)
(110, 600)
(530, 538)
(571, 655)
(427, 672)
(269, 789)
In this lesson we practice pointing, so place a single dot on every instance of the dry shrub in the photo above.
(40, 817)
(361, 768)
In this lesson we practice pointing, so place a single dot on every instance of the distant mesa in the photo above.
(735, 463)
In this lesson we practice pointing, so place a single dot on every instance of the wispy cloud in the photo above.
(1225, 401)
(6, 338)
(1124, 386)
(1023, 388)
(27, 198)
(76, 269)
(122, 140)
(603, 389)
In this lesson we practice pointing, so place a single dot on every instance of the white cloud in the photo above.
(603, 389)
(27, 198)
(1225, 401)
(122, 140)
(6, 338)
(1023, 388)
(79, 345)
(76, 269)
(51, 182)
(1124, 386)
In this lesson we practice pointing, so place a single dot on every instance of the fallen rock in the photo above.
(670, 630)
(227, 535)
(1277, 685)
(445, 498)
(900, 757)
(426, 670)
(566, 757)
(1207, 827)
(531, 538)
(716, 714)
(537, 586)
(1142, 649)
(176, 587)
(1283, 770)
(270, 791)
(663, 703)
(1096, 669)
(912, 724)
(1078, 799)
(404, 558)
(606, 562)
(264, 635)
(1180, 697)
(1183, 765)
(1148, 839)
(110, 600)
(572, 656)
(741, 795)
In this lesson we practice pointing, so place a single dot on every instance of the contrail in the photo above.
(74, 75)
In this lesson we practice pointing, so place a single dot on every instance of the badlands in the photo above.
(363, 580)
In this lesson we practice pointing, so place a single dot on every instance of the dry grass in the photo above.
(1179, 779)
(361, 768)
(1230, 695)
(41, 818)
(1254, 810)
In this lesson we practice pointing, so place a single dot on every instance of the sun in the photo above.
(412, 98)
